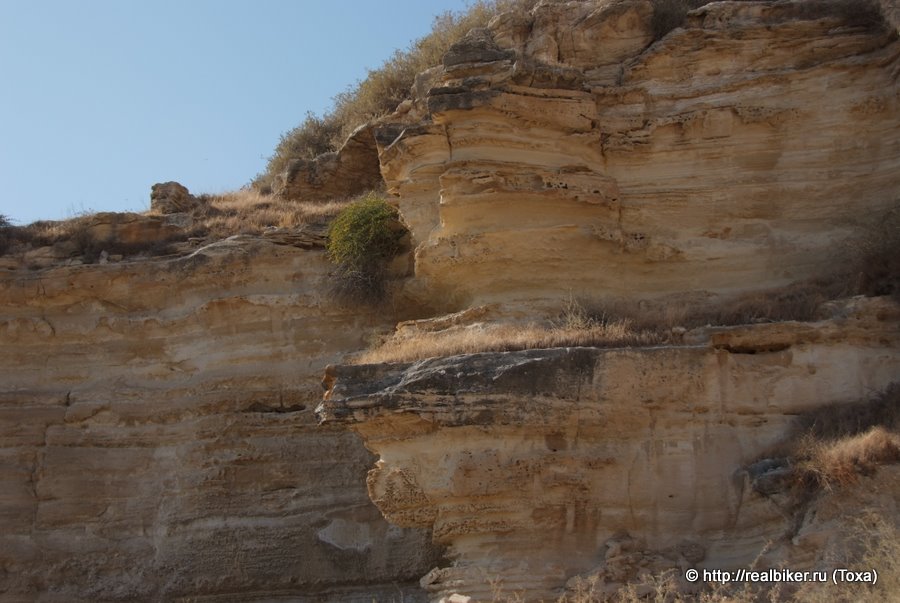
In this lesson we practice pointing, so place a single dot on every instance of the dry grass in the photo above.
(837, 443)
(216, 217)
(669, 14)
(75, 238)
(250, 212)
(504, 338)
(872, 542)
(840, 462)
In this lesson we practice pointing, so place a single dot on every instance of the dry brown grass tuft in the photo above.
(382, 89)
(249, 212)
(505, 338)
(617, 324)
(840, 462)
(216, 217)
(837, 443)
(798, 302)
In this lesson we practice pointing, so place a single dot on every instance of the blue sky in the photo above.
(101, 99)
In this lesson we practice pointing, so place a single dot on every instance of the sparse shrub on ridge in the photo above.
(879, 264)
(361, 241)
(382, 90)
(669, 14)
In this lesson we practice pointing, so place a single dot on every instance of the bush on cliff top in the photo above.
(361, 240)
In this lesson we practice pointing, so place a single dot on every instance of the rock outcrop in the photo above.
(157, 441)
(171, 198)
(348, 172)
(753, 146)
(534, 467)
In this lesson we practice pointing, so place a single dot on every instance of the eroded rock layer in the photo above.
(157, 439)
(753, 146)
(533, 467)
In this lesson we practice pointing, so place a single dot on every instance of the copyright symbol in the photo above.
(692, 575)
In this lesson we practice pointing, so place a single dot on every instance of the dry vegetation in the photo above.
(670, 14)
(216, 217)
(872, 542)
(503, 338)
(249, 212)
(587, 323)
(382, 90)
(387, 86)
(837, 443)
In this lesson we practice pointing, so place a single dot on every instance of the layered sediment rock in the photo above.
(157, 439)
(347, 172)
(751, 147)
(533, 467)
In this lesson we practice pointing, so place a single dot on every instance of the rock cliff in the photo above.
(533, 467)
(157, 441)
(748, 148)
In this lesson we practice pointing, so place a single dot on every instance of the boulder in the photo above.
(171, 198)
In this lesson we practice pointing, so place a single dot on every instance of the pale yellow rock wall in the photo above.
(747, 150)
(536, 466)
(157, 438)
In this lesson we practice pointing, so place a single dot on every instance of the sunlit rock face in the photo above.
(567, 150)
(534, 467)
(157, 438)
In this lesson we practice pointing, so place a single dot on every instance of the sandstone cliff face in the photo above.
(749, 148)
(536, 466)
(350, 171)
(157, 439)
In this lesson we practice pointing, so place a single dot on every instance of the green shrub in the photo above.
(361, 240)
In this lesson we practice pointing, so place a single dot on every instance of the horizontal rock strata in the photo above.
(157, 441)
(754, 146)
(535, 466)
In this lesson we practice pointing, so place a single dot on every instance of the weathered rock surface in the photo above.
(157, 441)
(537, 466)
(171, 198)
(157, 437)
(350, 171)
(566, 150)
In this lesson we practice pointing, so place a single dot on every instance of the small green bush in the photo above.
(361, 240)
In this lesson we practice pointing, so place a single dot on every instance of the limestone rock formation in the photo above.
(533, 466)
(753, 146)
(171, 198)
(157, 440)
(350, 171)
